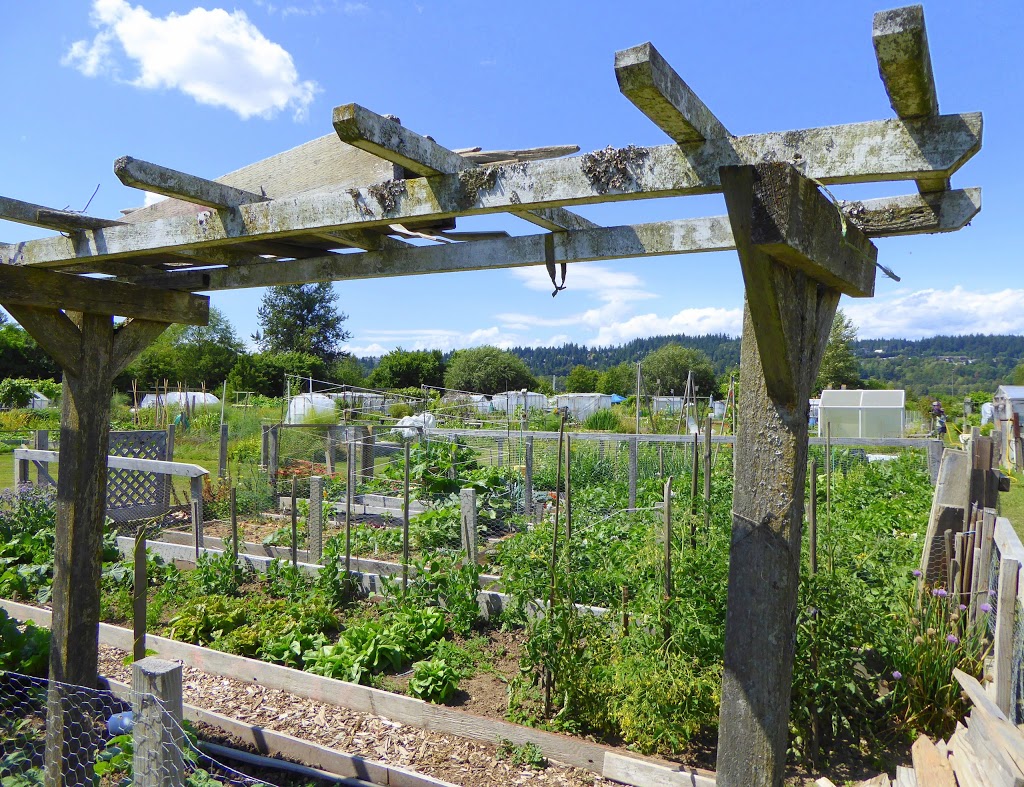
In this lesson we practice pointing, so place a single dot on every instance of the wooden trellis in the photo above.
(342, 206)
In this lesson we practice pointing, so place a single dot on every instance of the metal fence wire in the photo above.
(100, 739)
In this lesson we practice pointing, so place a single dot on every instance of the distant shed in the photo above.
(1009, 399)
(856, 413)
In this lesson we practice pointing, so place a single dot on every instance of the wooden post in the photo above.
(812, 519)
(568, 492)
(528, 479)
(548, 677)
(1002, 648)
(140, 585)
(329, 451)
(349, 472)
(366, 457)
(661, 461)
(956, 575)
(315, 541)
(797, 255)
(233, 507)
(196, 485)
(42, 443)
(693, 492)
(265, 446)
(405, 523)
(632, 471)
(467, 505)
(273, 459)
(707, 476)
(295, 522)
(157, 737)
(667, 536)
(501, 451)
(984, 561)
(934, 459)
(222, 466)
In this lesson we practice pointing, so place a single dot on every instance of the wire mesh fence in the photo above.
(73, 735)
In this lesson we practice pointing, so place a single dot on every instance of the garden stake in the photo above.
(232, 503)
(948, 543)
(139, 596)
(405, 526)
(667, 504)
(812, 519)
(568, 517)
(828, 493)
(693, 495)
(548, 677)
(661, 462)
(348, 512)
(707, 476)
(295, 523)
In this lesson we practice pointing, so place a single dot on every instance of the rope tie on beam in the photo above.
(549, 262)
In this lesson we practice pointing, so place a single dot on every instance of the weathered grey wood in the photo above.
(905, 65)
(49, 218)
(646, 79)
(316, 519)
(647, 773)
(172, 183)
(222, 463)
(865, 152)
(478, 157)
(707, 475)
(467, 503)
(140, 585)
(53, 331)
(42, 443)
(988, 522)
(931, 768)
(196, 490)
(157, 736)
(25, 286)
(182, 469)
(787, 233)
(1002, 646)
(390, 140)
(528, 478)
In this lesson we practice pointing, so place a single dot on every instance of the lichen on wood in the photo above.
(613, 168)
(473, 181)
(387, 193)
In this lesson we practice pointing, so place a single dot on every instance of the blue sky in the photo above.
(207, 88)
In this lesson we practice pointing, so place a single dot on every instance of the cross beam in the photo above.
(50, 218)
(860, 152)
(797, 254)
(888, 216)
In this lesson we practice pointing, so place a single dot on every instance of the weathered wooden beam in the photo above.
(384, 137)
(52, 329)
(50, 218)
(477, 156)
(895, 215)
(180, 185)
(131, 338)
(905, 65)
(646, 79)
(862, 152)
(46, 289)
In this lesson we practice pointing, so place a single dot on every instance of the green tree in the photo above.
(20, 356)
(264, 373)
(839, 364)
(581, 380)
(1018, 374)
(302, 318)
(348, 371)
(666, 370)
(619, 380)
(404, 369)
(15, 392)
(487, 370)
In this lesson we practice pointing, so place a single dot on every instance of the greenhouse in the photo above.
(849, 413)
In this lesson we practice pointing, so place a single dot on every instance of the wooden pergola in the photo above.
(342, 206)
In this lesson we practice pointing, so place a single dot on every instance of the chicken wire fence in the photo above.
(92, 736)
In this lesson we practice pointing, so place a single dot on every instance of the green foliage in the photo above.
(434, 680)
(264, 373)
(487, 370)
(528, 753)
(25, 651)
(15, 392)
(220, 574)
(302, 318)
(838, 364)
(620, 379)
(26, 543)
(20, 356)
(665, 370)
(408, 369)
(442, 582)
(581, 380)
(602, 421)
(285, 580)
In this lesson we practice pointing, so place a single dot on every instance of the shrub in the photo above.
(602, 420)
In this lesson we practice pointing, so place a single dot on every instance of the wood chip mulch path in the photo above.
(446, 757)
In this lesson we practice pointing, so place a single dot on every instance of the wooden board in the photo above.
(931, 768)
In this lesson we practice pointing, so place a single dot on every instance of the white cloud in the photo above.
(217, 57)
(152, 199)
(383, 341)
(688, 321)
(356, 8)
(914, 315)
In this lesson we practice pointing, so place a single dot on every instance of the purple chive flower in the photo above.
(916, 572)
(991, 594)
(963, 607)
(896, 674)
(952, 639)
(940, 592)
(985, 607)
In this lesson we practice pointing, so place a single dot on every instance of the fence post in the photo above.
(528, 480)
(707, 477)
(349, 471)
(467, 505)
(42, 444)
(233, 509)
(222, 466)
(315, 547)
(934, 459)
(20, 472)
(295, 522)
(984, 560)
(568, 496)
(139, 586)
(632, 472)
(264, 446)
(157, 736)
(812, 518)
(196, 484)
(405, 523)
(366, 458)
(329, 451)
(501, 451)
(272, 459)
(1006, 606)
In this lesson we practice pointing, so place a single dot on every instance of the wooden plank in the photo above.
(25, 286)
(645, 773)
(931, 768)
(864, 152)
(1002, 646)
(49, 218)
(905, 65)
(791, 221)
(172, 183)
(478, 157)
(683, 236)
(182, 469)
(53, 330)
(646, 79)
(987, 744)
(385, 137)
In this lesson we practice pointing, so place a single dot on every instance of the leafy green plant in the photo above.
(220, 574)
(285, 580)
(434, 680)
(528, 753)
(23, 650)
